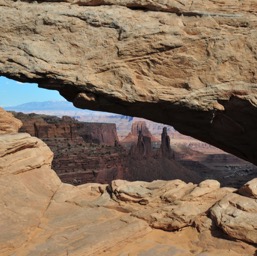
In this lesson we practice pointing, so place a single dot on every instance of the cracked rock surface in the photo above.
(185, 63)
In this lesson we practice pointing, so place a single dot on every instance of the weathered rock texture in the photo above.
(41, 216)
(186, 63)
(8, 123)
(236, 215)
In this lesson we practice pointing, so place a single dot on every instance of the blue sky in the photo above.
(14, 93)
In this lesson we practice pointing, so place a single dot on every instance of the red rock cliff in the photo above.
(43, 126)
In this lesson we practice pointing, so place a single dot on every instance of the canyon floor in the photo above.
(97, 152)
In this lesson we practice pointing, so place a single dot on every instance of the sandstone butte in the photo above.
(40, 215)
(191, 64)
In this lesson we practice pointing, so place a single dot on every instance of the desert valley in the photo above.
(87, 152)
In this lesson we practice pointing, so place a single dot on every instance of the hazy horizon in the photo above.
(15, 93)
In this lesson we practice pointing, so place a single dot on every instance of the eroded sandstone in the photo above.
(236, 215)
(8, 123)
(183, 63)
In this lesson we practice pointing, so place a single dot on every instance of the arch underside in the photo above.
(186, 65)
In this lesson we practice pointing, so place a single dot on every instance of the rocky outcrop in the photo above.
(8, 123)
(183, 204)
(143, 147)
(138, 127)
(165, 147)
(177, 63)
(249, 189)
(83, 152)
(236, 215)
(27, 186)
(179, 203)
(45, 127)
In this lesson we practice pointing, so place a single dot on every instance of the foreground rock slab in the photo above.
(185, 63)
(39, 214)
(168, 205)
(249, 189)
(236, 215)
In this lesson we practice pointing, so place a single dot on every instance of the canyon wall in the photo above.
(43, 127)
(83, 152)
(79, 159)
(190, 64)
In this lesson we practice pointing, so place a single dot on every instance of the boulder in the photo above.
(249, 189)
(236, 215)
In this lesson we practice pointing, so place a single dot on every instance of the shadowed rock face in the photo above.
(184, 63)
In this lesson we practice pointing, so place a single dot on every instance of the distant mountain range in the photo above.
(53, 106)
(46, 105)
(58, 108)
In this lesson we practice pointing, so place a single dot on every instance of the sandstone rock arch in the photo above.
(188, 64)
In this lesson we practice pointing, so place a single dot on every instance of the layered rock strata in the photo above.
(45, 127)
(136, 128)
(185, 63)
(83, 152)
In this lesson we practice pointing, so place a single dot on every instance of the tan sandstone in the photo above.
(8, 123)
(236, 215)
(191, 64)
(249, 189)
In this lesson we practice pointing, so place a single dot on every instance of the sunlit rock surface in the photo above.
(186, 63)
(8, 123)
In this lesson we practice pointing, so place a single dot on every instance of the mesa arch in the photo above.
(184, 63)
